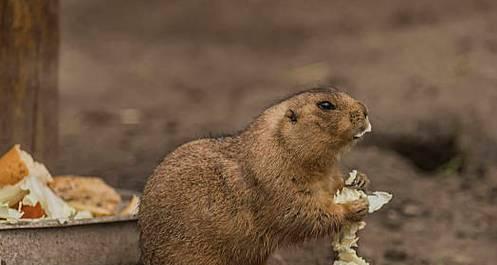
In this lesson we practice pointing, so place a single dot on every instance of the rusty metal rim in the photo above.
(54, 223)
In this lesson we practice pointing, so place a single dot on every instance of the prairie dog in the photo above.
(233, 200)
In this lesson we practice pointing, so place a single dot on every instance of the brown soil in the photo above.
(138, 79)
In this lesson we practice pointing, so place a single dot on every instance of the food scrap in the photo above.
(87, 194)
(28, 192)
(344, 242)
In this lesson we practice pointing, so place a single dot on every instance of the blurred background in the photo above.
(138, 78)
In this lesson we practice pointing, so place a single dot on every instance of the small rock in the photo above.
(412, 210)
(130, 116)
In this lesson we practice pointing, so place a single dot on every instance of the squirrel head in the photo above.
(321, 121)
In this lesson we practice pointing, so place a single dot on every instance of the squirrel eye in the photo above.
(326, 105)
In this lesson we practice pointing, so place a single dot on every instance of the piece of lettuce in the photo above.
(38, 191)
(12, 194)
(9, 214)
(345, 241)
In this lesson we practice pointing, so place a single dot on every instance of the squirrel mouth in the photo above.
(368, 129)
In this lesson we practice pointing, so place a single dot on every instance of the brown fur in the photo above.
(233, 200)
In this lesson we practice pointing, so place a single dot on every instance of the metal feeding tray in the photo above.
(97, 241)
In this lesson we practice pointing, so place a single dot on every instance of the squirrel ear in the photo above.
(291, 115)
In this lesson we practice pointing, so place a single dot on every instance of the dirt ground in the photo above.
(139, 78)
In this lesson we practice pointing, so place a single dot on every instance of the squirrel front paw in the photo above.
(356, 210)
(361, 181)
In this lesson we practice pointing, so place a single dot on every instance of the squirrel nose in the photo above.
(364, 129)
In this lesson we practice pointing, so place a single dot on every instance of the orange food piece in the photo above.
(12, 167)
(32, 211)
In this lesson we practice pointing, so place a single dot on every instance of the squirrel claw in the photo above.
(360, 182)
(357, 210)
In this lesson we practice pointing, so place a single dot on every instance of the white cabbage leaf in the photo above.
(344, 242)
(11, 194)
(54, 206)
(9, 214)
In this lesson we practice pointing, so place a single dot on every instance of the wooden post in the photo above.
(29, 43)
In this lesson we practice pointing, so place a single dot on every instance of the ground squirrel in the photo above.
(232, 200)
